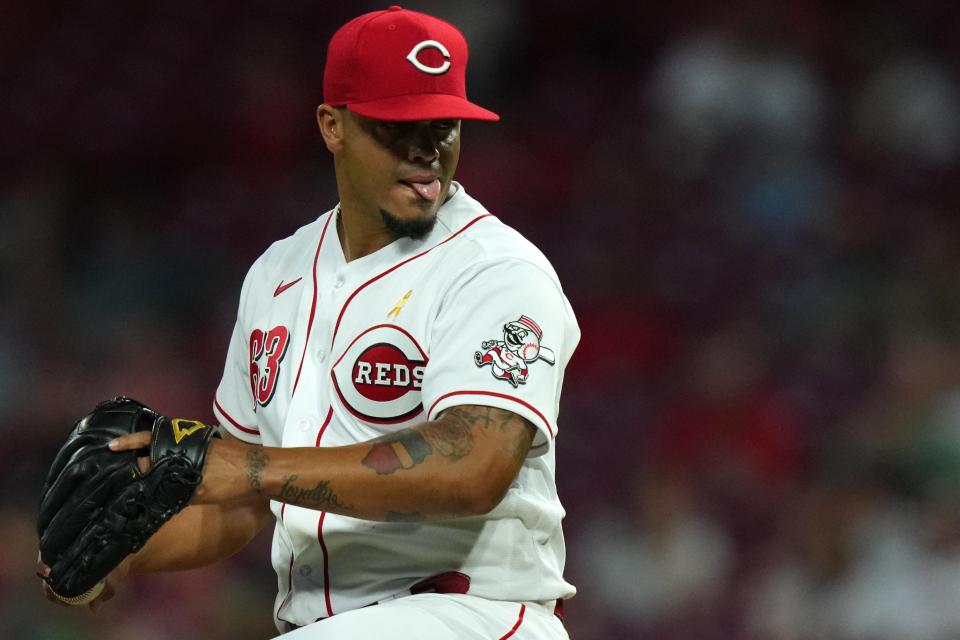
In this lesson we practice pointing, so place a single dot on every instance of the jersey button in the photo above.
(321, 355)
(304, 425)
(338, 283)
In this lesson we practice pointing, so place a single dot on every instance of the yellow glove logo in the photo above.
(188, 427)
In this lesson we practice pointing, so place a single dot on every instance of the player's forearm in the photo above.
(460, 464)
(342, 481)
(201, 535)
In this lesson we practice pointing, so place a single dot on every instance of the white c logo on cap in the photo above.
(427, 44)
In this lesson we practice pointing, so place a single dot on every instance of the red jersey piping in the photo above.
(516, 626)
(343, 309)
(323, 545)
(326, 564)
(251, 431)
(313, 305)
(323, 428)
(495, 395)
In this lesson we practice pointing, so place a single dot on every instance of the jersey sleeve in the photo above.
(233, 404)
(502, 338)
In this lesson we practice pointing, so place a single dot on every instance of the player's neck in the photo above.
(360, 235)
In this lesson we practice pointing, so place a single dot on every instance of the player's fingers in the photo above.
(137, 440)
(43, 571)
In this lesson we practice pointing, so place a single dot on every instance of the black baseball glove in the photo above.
(97, 507)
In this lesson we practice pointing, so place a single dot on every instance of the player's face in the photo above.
(401, 170)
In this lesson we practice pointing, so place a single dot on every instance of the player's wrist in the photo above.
(226, 473)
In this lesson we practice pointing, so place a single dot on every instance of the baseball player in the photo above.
(392, 384)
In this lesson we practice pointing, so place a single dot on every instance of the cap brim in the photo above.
(423, 106)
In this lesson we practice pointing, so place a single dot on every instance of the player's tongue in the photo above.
(427, 190)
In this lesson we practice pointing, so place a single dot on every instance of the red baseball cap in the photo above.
(400, 65)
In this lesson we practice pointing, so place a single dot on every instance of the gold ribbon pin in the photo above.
(393, 313)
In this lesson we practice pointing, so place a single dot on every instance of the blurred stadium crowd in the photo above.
(754, 208)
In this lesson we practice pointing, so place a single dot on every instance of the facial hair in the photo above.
(416, 229)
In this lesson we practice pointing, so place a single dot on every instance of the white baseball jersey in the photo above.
(327, 353)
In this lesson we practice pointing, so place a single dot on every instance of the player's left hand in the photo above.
(98, 503)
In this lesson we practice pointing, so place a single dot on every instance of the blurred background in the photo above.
(754, 209)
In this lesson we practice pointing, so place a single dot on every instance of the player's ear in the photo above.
(330, 120)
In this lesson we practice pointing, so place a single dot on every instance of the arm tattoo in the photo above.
(256, 461)
(451, 436)
(320, 497)
(518, 431)
(402, 450)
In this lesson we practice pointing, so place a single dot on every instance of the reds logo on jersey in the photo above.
(379, 376)
(508, 358)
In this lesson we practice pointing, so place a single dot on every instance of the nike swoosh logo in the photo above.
(283, 287)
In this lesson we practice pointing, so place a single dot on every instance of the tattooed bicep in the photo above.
(514, 431)
(453, 436)
(483, 417)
